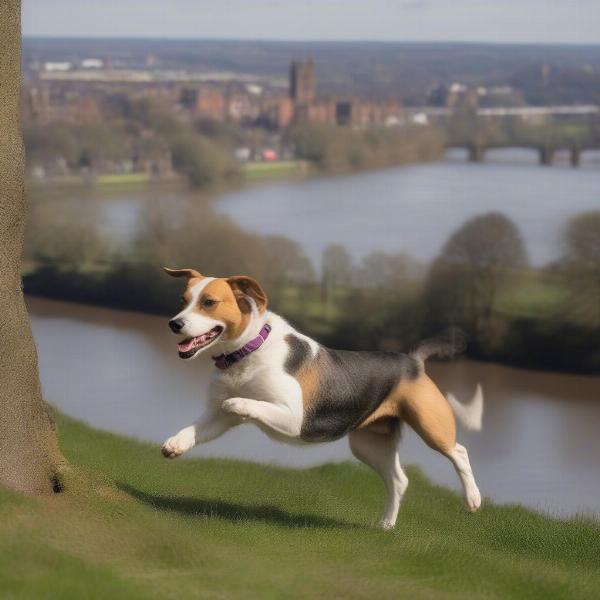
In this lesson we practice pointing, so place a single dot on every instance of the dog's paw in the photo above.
(237, 406)
(386, 525)
(178, 444)
(473, 500)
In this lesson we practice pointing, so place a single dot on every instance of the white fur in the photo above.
(380, 452)
(194, 323)
(460, 460)
(257, 389)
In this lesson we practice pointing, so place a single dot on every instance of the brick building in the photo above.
(342, 111)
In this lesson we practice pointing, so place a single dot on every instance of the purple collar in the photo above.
(224, 361)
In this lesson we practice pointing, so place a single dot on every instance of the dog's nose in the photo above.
(176, 325)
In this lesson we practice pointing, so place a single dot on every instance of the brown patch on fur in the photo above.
(305, 368)
(308, 378)
(242, 286)
(231, 295)
(428, 412)
(187, 294)
(421, 404)
(227, 308)
(390, 408)
(189, 273)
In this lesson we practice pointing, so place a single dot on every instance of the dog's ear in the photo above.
(243, 286)
(189, 273)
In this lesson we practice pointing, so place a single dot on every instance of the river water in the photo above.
(120, 371)
(415, 208)
(412, 209)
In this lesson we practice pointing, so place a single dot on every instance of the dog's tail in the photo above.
(449, 345)
(471, 413)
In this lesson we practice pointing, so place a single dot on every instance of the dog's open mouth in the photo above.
(189, 347)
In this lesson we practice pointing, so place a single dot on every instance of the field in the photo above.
(254, 171)
(273, 170)
(131, 524)
(103, 181)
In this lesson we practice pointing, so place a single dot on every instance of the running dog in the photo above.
(299, 391)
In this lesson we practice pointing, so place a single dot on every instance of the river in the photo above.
(412, 209)
(120, 371)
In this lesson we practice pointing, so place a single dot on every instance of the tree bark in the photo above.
(29, 455)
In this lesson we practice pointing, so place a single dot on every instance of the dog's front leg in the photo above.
(279, 418)
(211, 425)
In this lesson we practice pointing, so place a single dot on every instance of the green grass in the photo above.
(131, 524)
(268, 170)
(253, 171)
(537, 296)
(104, 181)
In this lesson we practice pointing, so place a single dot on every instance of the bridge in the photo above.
(525, 113)
(545, 129)
(536, 112)
(546, 153)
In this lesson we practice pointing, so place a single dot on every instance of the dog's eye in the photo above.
(182, 301)
(208, 302)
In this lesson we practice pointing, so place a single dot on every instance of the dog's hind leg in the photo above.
(428, 412)
(379, 450)
(460, 459)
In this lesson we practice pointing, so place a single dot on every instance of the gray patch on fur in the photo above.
(352, 385)
(298, 354)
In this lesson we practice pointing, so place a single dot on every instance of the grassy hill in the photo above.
(131, 524)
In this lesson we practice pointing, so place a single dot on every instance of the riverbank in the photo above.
(132, 524)
(251, 172)
(531, 326)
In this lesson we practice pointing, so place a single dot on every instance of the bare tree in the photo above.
(29, 455)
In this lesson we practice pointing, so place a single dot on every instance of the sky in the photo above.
(504, 21)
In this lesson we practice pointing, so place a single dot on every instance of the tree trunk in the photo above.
(29, 455)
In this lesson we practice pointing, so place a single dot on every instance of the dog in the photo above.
(298, 391)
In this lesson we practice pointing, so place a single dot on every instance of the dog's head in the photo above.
(215, 311)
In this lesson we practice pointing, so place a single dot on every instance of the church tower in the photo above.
(302, 82)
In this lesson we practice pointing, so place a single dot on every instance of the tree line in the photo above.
(481, 282)
(141, 131)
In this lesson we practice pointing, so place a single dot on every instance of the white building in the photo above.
(57, 66)
(92, 63)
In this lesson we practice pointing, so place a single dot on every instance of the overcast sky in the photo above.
(538, 21)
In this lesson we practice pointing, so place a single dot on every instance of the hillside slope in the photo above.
(133, 525)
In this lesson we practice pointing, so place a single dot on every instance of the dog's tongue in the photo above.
(188, 344)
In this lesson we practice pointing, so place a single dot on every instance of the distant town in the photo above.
(88, 89)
